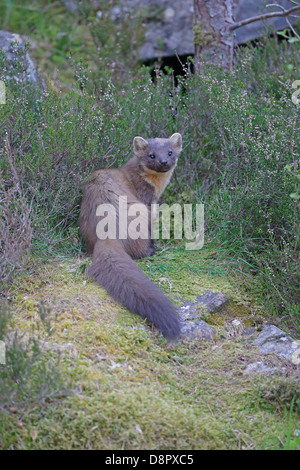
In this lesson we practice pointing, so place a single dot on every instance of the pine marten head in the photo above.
(158, 155)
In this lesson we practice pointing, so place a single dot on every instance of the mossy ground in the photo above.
(127, 388)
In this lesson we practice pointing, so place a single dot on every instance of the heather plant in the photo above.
(249, 210)
(15, 221)
(57, 139)
(116, 33)
(15, 231)
(28, 374)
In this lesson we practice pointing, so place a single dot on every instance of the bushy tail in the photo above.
(114, 269)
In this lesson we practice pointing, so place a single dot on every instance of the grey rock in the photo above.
(260, 367)
(210, 301)
(169, 25)
(197, 329)
(273, 340)
(12, 54)
(248, 330)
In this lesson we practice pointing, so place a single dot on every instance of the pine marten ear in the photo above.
(176, 141)
(139, 146)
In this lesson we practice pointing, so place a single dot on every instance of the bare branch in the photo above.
(275, 14)
(275, 5)
(292, 29)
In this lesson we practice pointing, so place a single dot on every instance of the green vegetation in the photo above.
(123, 387)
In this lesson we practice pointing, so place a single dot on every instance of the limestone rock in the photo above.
(190, 313)
(197, 329)
(12, 52)
(274, 340)
(261, 367)
(211, 301)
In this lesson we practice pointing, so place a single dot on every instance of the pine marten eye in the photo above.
(170, 153)
(152, 156)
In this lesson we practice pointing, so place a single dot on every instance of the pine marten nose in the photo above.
(164, 162)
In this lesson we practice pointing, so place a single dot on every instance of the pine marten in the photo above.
(142, 180)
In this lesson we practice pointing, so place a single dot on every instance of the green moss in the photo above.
(234, 311)
(202, 36)
(131, 391)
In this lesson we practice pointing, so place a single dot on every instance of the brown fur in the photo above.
(142, 179)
